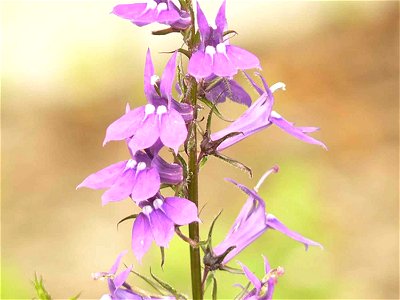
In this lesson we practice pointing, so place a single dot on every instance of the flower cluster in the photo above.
(171, 122)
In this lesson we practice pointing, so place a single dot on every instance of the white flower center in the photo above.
(130, 164)
(157, 203)
(154, 79)
(141, 166)
(221, 48)
(277, 86)
(162, 109)
(274, 114)
(149, 109)
(151, 4)
(210, 50)
(147, 209)
(161, 7)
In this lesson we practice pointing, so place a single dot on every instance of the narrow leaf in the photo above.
(165, 31)
(214, 290)
(167, 286)
(162, 257)
(150, 282)
(235, 163)
(134, 216)
(216, 111)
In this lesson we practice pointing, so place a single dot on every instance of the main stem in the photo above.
(193, 193)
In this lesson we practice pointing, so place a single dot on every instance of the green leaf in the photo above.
(203, 161)
(235, 163)
(134, 216)
(150, 282)
(75, 297)
(243, 292)
(167, 287)
(40, 289)
(209, 280)
(231, 270)
(165, 31)
(229, 32)
(214, 290)
(216, 111)
(210, 231)
(162, 257)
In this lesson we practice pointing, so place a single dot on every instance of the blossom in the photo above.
(153, 11)
(157, 222)
(118, 287)
(138, 177)
(260, 116)
(252, 222)
(156, 120)
(214, 54)
(264, 288)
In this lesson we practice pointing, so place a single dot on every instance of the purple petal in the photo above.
(148, 73)
(250, 275)
(185, 110)
(126, 126)
(254, 84)
(141, 236)
(274, 223)
(147, 184)
(129, 11)
(121, 189)
(200, 65)
(173, 130)
(169, 173)
(147, 17)
(181, 211)
(117, 262)
(279, 121)
(238, 94)
(168, 77)
(105, 177)
(162, 228)
(222, 66)
(168, 16)
(204, 28)
(241, 58)
(228, 88)
(146, 135)
(220, 19)
(267, 267)
(122, 277)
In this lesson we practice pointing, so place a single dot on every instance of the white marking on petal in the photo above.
(277, 86)
(130, 164)
(236, 227)
(154, 79)
(157, 203)
(149, 109)
(274, 114)
(162, 109)
(142, 242)
(141, 166)
(147, 209)
(210, 50)
(221, 48)
(161, 7)
(151, 4)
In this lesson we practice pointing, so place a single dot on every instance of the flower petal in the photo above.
(121, 189)
(279, 121)
(141, 236)
(250, 275)
(162, 228)
(169, 173)
(146, 135)
(204, 28)
(147, 184)
(173, 130)
(117, 262)
(222, 66)
(220, 19)
(148, 74)
(105, 177)
(274, 223)
(181, 211)
(122, 277)
(242, 59)
(125, 126)
(129, 11)
(168, 16)
(168, 76)
(200, 65)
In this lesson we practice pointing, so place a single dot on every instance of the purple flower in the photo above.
(159, 119)
(153, 11)
(118, 287)
(215, 55)
(138, 177)
(264, 288)
(157, 222)
(252, 222)
(260, 116)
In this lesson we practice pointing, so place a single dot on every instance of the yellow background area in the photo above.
(69, 68)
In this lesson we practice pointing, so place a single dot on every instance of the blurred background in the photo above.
(69, 68)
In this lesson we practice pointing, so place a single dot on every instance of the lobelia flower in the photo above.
(252, 222)
(264, 288)
(214, 54)
(118, 287)
(139, 177)
(153, 11)
(260, 116)
(157, 221)
(159, 119)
